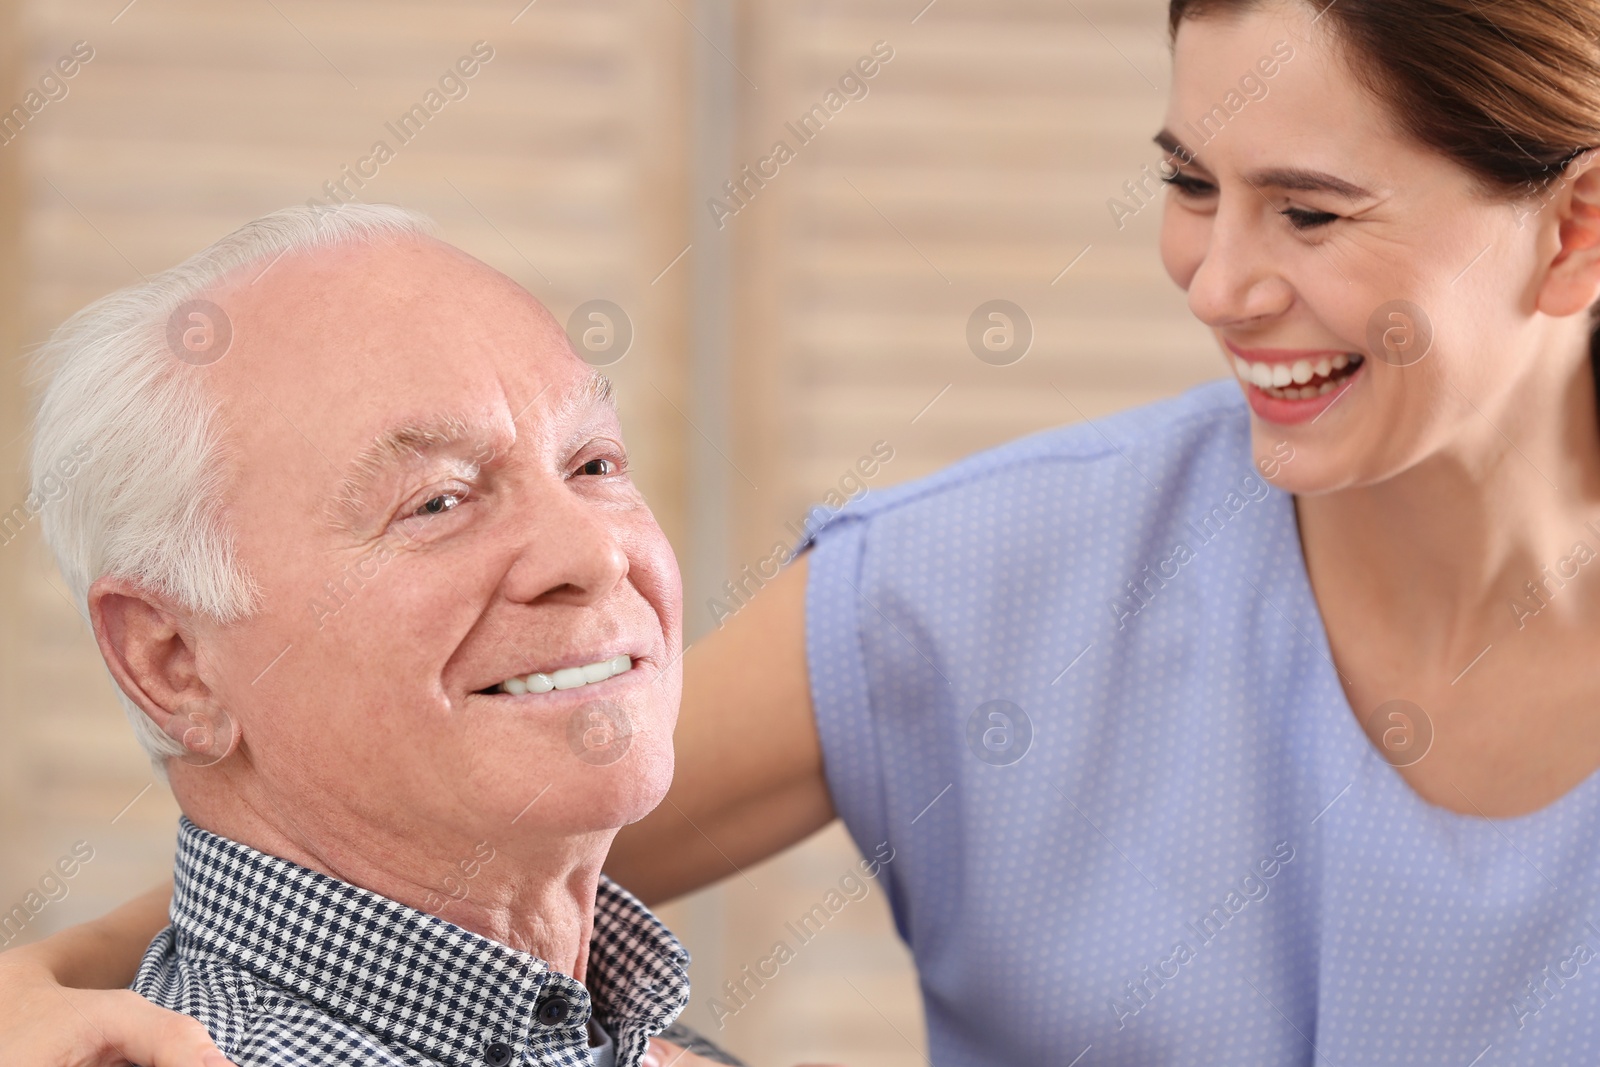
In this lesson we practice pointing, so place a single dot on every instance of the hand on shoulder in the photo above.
(44, 1024)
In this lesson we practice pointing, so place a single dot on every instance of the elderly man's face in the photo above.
(431, 491)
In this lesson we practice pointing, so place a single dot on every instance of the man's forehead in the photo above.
(336, 314)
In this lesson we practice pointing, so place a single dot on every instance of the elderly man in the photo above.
(362, 554)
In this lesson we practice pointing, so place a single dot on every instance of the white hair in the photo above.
(144, 503)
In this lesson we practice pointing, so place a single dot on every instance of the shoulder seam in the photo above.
(1107, 448)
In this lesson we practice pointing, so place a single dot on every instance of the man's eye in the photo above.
(438, 505)
(599, 467)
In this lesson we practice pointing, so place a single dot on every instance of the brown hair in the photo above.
(1509, 90)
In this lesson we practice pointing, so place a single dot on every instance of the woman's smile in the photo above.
(1294, 385)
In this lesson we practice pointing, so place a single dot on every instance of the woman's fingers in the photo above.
(137, 1031)
(666, 1054)
(45, 1025)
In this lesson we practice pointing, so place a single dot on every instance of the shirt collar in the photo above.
(414, 979)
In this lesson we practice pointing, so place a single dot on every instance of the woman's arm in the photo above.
(104, 953)
(749, 778)
(64, 1001)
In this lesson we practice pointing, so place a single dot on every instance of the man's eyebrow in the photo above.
(595, 391)
(1295, 178)
(442, 434)
(389, 449)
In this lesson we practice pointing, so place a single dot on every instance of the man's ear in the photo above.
(149, 648)
(1572, 282)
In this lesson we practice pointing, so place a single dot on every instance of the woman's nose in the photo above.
(1239, 279)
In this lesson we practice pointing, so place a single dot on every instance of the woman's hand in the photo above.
(666, 1054)
(43, 1024)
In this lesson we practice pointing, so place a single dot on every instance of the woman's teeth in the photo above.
(1300, 380)
(567, 677)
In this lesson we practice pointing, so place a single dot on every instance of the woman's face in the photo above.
(1360, 287)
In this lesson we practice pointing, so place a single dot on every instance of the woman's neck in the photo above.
(1441, 552)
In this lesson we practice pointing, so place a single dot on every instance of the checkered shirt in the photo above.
(291, 968)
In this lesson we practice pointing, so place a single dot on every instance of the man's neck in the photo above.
(534, 894)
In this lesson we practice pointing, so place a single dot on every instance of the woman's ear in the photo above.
(149, 648)
(1572, 282)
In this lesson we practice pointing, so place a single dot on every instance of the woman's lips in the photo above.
(1286, 385)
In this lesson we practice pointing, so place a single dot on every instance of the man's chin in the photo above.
(611, 795)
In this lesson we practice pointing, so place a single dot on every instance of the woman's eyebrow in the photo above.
(1299, 179)
(1308, 181)
(1173, 146)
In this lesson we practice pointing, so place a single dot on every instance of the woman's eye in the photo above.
(1189, 186)
(1301, 219)
(598, 468)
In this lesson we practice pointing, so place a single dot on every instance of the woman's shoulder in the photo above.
(1157, 449)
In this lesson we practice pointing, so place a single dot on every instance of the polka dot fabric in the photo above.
(1081, 685)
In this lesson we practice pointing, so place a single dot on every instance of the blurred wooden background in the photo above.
(829, 313)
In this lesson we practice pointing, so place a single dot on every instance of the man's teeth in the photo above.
(1300, 380)
(567, 677)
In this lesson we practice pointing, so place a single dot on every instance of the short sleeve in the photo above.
(840, 692)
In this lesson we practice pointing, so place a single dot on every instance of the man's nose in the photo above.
(568, 553)
(1239, 280)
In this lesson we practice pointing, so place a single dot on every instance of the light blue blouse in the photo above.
(1081, 686)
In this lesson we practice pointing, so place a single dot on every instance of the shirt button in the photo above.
(554, 1011)
(498, 1054)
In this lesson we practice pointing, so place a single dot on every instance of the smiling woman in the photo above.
(1408, 347)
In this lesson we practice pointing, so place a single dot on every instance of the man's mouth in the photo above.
(1302, 379)
(565, 678)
